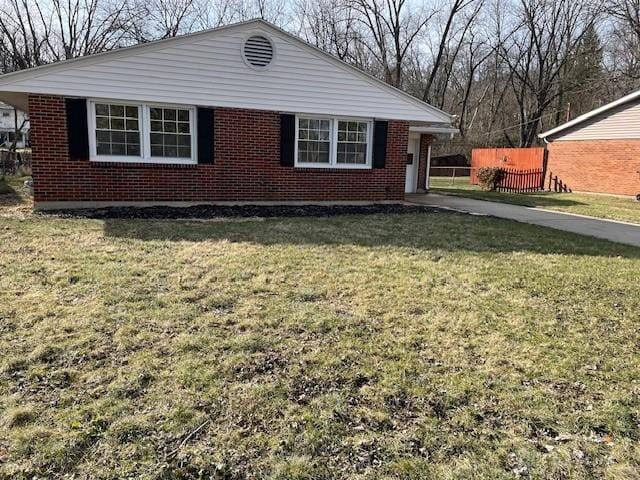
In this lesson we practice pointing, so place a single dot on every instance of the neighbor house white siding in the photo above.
(208, 69)
(622, 122)
(7, 119)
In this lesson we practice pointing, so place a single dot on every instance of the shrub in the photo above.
(488, 177)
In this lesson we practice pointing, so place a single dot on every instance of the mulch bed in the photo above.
(216, 211)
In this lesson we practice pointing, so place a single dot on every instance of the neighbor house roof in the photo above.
(592, 115)
(206, 68)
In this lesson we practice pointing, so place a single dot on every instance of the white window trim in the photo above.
(144, 124)
(333, 145)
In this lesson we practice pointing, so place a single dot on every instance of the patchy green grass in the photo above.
(602, 206)
(361, 347)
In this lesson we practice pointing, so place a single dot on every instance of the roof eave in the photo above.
(8, 79)
(589, 115)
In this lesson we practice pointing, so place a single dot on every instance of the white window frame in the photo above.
(144, 125)
(333, 144)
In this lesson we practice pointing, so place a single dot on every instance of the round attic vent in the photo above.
(258, 51)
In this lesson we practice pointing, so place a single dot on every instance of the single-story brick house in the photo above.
(241, 113)
(600, 150)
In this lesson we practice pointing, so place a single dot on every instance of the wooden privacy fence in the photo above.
(508, 159)
(521, 181)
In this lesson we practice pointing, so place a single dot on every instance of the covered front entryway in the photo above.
(413, 163)
(419, 155)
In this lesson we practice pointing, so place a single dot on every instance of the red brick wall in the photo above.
(246, 166)
(425, 141)
(602, 166)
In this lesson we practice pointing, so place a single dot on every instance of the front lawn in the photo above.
(413, 346)
(601, 206)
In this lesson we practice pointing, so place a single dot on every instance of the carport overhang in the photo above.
(416, 130)
(435, 129)
(19, 100)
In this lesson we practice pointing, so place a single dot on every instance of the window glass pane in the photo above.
(156, 139)
(156, 151)
(314, 140)
(170, 133)
(133, 149)
(117, 130)
(352, 143)
(118, 149)
(116, 110)
(117, 123)
(170, 151)
(102, 122)
(103, 137)
(102, 109)
(103, 148)
(170, 139)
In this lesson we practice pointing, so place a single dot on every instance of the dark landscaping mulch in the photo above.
(215, 211)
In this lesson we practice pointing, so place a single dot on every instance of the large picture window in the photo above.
(124, 132)
(333, 142)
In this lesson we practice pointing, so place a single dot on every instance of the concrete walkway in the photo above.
(611, 230)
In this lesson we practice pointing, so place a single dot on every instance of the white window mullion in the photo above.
(92, 130)
(145, 140)
(334, 143)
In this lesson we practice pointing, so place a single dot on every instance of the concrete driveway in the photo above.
(611, 230)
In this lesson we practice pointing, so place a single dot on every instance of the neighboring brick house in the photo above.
(243, 113)
(600, 150)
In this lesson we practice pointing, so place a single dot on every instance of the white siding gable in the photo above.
(622, 122)
(208, 69)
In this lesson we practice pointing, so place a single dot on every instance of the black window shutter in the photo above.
(287, 139)
(380, 129)
(77, 128)
(205, 135)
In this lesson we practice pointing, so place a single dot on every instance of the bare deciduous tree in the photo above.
(392, 27)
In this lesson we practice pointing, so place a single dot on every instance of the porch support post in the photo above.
(425, 161)
(426, 180)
